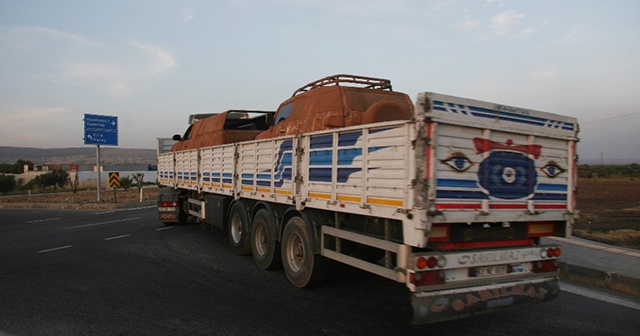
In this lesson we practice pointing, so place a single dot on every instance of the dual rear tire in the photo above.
(302, 266)
(264, 242)
(295, 253)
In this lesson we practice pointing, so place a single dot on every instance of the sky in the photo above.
(153, 63)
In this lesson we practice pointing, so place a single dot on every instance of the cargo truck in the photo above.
(450, 197)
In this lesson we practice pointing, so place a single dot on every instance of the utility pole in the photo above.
(98, 179)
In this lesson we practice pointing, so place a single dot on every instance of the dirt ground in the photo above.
(609, 208)
(609, 211)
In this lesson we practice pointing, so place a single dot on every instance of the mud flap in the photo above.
(452, 304)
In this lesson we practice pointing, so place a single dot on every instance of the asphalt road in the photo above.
(124, 273)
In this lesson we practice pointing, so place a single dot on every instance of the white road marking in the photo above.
(165, 228)
(102, 223)
(604, 297)
(117, 237)
(55, 249)
(129, 209)
(43, 220)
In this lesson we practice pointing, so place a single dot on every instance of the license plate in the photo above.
(490, 270)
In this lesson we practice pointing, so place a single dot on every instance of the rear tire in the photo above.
(303, 268)
(237, 228)
(264, 247)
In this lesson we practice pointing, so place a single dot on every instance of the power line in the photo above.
(618, 118)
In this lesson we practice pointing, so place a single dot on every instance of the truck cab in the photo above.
(339, 101)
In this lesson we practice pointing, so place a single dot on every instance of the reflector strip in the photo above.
(320, 195)
(384, 201)
(439, 232)
(508, 206)
(551, 206)
(348, 198)
(541, 229)
(283, 192)
(497, 206)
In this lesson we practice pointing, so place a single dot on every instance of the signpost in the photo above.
(100, 130)
(114, 182)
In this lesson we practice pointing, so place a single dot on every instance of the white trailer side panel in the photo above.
(187, 169)
(166, 170)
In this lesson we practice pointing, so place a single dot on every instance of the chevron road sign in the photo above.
(114, 180)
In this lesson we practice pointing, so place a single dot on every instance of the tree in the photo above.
(139, 178)
(55, 178)
(16, 168)
(73, 182)
(126, 182)
(7, 183)
(59, 178)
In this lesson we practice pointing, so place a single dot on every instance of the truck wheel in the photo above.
(264, 247)
(238, 229)
(303, 268)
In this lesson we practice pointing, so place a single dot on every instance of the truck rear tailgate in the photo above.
(495, 163)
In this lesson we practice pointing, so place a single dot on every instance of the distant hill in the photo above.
(80, 156)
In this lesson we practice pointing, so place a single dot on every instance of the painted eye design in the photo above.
(458, 161)
(552, 169)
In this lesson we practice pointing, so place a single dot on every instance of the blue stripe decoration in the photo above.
(474, 195)
(320, 174)
(549, 197)
(348, 139)
(552, 187)
(344, 173)
(346, 156)
(455, 183)
(502, 115)
(320, 158)
(264, 176)
(322, 141)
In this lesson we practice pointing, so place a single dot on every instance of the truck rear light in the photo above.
(541, 229)
(427, 278)
(168, 204)
(551, 252)
(430, 262)
(421, 262)
(544, 266)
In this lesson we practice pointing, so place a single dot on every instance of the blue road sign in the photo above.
(100, 130)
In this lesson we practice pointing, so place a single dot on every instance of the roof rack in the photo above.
(336, 80)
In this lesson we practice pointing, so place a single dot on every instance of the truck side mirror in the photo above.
(177, 137)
